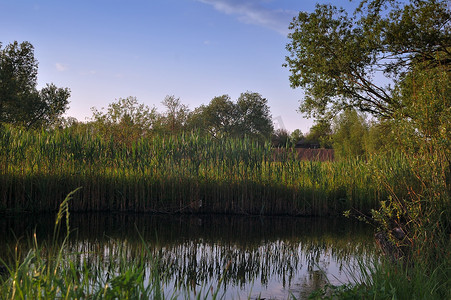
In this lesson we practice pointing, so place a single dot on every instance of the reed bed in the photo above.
(183, 173)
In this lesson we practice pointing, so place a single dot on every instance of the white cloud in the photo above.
(253, 12)
(60, 67)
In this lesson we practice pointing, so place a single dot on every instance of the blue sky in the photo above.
(193, 49)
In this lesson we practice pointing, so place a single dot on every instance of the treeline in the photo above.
(126, 120)
(23, 105)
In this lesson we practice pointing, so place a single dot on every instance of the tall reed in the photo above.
(183, 173)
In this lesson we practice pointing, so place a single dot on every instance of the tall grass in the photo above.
(184, 173)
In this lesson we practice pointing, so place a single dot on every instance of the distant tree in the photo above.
(381, 137)
(281, 138)
(20, 101)
(296, 136)
(254, 116)
(221, 116)
(175, 117)
(126, 120)
(335, 58)
(196, 120)
(320, 134)
(350, 132)
(249, 116)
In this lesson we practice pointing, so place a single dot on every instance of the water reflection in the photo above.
(271, 257)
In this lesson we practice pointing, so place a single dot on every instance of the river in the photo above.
(238, 256)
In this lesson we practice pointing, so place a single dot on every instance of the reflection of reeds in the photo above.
(185, 173)
(194, 252)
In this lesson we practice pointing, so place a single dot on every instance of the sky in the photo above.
(103, 50)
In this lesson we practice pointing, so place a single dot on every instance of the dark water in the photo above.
(270, 257)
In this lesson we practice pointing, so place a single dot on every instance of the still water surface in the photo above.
(267, 257)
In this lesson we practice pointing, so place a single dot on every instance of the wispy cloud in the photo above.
(254, 12)
(60, 67)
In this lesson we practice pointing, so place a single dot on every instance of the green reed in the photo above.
(183, 173)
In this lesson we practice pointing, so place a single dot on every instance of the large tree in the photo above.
(126, 120)
(249, 116)
(391, 59)
(254, 116)
(173, 120)
(20, 101)
(357, 61)
(217, 118)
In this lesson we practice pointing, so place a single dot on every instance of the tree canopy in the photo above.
(342, 61)
(20, 101)
(125, 119)
(174, 118)
(249, 115)
(254, 116)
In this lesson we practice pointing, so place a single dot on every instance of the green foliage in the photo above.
(249, 116)
(280, 138)
(350, 130)
(125, 120)
(217, 118)
(320, 134)
(423, 133)
(174, 118)
(20, 102)
(296, 136)
(426, 93)
(254, 117)
(381, 137)
(335, 58)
